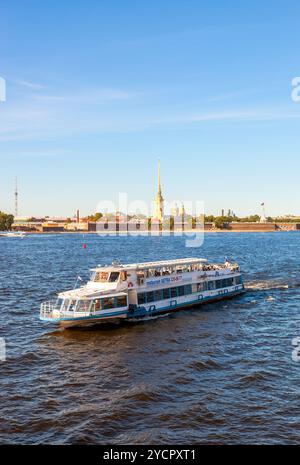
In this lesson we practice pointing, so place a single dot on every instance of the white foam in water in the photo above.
(266, 285)
(2, 349)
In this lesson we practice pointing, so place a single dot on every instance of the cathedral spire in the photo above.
(159, 180)
(159, 201)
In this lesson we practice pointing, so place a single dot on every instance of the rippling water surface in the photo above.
(221, 374)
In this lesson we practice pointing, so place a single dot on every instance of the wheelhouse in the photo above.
(99, 275)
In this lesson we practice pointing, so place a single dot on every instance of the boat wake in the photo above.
(149, 318)
(266, 285)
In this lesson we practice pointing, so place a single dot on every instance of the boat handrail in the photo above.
(50, 310)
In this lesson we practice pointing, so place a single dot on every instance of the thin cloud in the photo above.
(38, 120)
(29, 85)
(258, 114)
(37, 154)
(227, 96)
(91, 97)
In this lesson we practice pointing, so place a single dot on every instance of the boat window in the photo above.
(201, 287)
(180, 291)
(101, 277)
(150, 296)
(141, 299)
(59, 303)
(238, 280)
(114, 276)
(123, 276)
(211, 285)
(121, 301)
(188, 289)
(83, 306)
(157, 295)
(166, 293)
(173, 291)
(108, 303)
(66, 304)
(72, 306)
(97, 305)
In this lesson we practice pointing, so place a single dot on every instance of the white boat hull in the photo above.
(91, 321)
(148, 312)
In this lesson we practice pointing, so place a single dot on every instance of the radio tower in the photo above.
(16, 197)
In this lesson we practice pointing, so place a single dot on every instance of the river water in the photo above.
(220, 374)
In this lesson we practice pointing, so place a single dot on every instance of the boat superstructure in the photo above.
(142, 290)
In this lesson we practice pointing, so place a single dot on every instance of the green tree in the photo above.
(6, 221)
(209, 219)
(220, 222)
(96, 217)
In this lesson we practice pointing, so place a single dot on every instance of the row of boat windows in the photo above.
(96, 305)
(110, 302)
(179, 269)
(180, 291)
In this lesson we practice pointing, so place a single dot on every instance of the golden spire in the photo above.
(159, 181)
(159, 201)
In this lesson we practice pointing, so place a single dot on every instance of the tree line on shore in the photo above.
(220, 222)
(6, 221)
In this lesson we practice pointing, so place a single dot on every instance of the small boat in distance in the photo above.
(21, 234)
(138, 291)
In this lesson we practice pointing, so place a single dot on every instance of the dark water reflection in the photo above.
(223, 374)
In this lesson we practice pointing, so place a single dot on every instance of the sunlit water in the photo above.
(220, 374)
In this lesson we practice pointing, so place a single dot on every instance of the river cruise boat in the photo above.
(144, 290)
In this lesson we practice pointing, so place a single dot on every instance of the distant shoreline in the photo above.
(153, 233)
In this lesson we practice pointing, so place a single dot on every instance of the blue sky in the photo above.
(98, 91)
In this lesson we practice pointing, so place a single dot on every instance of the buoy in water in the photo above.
(84, 246)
